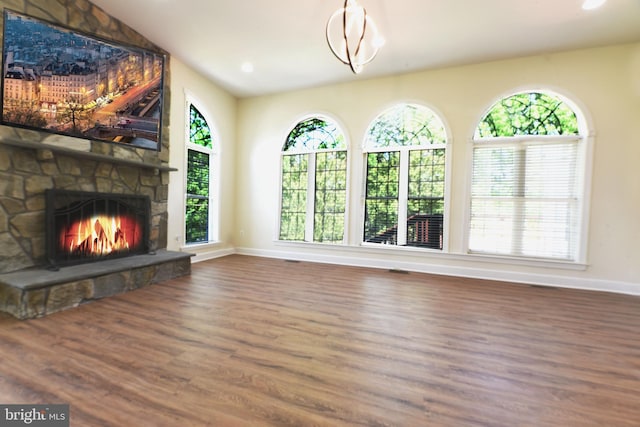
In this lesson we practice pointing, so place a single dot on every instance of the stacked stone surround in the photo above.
(50, 161)
(34, 293)
(25, 174)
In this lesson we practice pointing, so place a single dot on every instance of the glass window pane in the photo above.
(420, 136)
(492, 223)
(547, 230)
(330, 197)
(294, 197)
(495, 171)
(314, 134)
(381, 204)
(530, 113)
(198, 173)
(525, 193)
(197, 199)
(197, 220)
(425, 204)
(199, 131)
(198, 193)
(406, 125)
(314, 212)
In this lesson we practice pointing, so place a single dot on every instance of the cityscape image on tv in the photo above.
(64, 82)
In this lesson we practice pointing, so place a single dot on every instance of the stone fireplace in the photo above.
(35, 165)
(85, 201)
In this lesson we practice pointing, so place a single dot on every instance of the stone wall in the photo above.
(30, 293)
(26, 172)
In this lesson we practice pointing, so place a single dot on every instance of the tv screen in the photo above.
(62, 81)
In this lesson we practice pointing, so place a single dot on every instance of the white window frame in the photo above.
(403, 182)
(311, 183)
(585, 142)
(214, 173)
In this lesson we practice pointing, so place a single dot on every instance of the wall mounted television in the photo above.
(62, 81)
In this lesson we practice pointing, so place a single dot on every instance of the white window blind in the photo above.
(526, 197)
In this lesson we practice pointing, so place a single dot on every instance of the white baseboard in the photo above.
(560, 281)
(210, 254)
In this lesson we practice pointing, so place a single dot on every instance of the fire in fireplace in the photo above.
(85, 226)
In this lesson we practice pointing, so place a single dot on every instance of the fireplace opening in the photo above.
(86, 227)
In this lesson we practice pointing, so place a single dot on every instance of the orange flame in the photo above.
(99, 235)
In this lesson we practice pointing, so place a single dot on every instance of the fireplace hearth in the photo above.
(31, 293)
(83, 227)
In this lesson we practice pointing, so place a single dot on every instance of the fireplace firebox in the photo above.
(87, 227)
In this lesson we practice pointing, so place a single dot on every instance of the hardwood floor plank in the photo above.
(248, 341)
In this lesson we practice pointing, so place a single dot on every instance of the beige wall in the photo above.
(605, 82)
(219, 108)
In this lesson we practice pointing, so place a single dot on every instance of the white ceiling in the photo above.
(285, 39)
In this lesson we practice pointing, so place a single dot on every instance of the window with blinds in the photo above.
(526, 186)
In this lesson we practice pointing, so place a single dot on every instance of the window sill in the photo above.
(200, 246)
(528, 262)
(371, 248)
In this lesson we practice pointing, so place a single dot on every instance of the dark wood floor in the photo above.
(249, 341)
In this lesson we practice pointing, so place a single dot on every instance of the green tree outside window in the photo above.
(405, 181)
(198, 195)
(314, 168)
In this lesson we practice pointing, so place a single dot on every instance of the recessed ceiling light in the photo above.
(247, 67)
(592, 4)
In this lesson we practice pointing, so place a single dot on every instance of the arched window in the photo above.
(405, 150)
(199, 194)
(314, 183)
(527, 181)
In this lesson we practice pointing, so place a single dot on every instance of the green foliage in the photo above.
(311, 136)
(197, 211)
(197, 220)
(530, 113)
(383, 174)
(198, 179)
(294, 196)
(330, 197)
(425, 193)
(198, 173)
(199, 131)
(381, 216)
(406, 125)
(314, 134)
(411, 126)
(381, 206)
(427, 174)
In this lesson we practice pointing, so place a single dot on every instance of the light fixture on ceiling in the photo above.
(247, 67)
(353, 36)
(592, 4)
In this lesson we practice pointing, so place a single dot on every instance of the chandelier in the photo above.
(353, 36)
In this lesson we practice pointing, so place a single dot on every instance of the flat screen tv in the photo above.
(62, 81)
